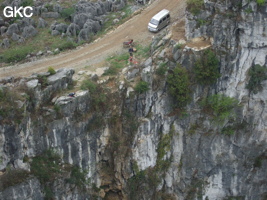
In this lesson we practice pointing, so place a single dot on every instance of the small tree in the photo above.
(194, 6)
(221, 107)
(141, 87)
(178, 86)
(206, 68)
(261, 2)
(257, 74)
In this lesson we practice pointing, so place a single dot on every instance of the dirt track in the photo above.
(95, 53)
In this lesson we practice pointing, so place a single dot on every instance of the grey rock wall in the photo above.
(213, 165)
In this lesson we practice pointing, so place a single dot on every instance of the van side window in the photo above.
(168, 16)
(164, 18)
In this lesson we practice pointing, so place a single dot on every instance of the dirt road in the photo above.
(94, 53)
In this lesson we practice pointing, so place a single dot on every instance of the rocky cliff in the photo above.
(131, 137)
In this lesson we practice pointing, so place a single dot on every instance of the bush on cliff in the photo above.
(257, 74)
(261, 2)
(207, 68)
(219, 106)
(178, 86)
(194, 6)
(141, 87)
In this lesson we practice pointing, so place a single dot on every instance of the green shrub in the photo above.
(17, 54)
(195, 6)
(98, 96)
(178, 86)
(9, 110)
(67, 12)
(57, 108)
(112, 70)
(221, 107)
(49, 7)
(258, 162)
(201, 22)
(116, 62)
(248, 10)
(228, 130)
(141, 87)
(66, 45)
(162, 69)
(46, 167)
(261, 2)
(78, 178)
(257, 74)
(48, 193)
(51, 70)
(88, 85)
(178, 46)
(25, 3)
(135, 183)
(206, 68)
(42, 80)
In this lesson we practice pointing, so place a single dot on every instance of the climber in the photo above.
(72, 94)
(131, 50)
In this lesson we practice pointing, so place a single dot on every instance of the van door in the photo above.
(161, 24)
(168, 19)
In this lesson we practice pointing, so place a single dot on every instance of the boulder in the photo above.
(5, 44)
(41, 23)
(81, 18)
(57, 8)
(3, 30)
(53, 25)
(39, 53)
(61, 78)
(55, 32)
(86, 7)
(15, 37)
(107, 6)
(37, 10)
(13, 28)
(28, 21)
(29, 31)
(32, 83)
(115, 21)
(103, 7)
(62, 28)
(21, 40)
(56, 50)
(132, 73)
(2, 22)
(73, 29)
(94, 26)
(84, 35)
(99, 9)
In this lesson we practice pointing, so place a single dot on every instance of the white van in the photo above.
(159, 21)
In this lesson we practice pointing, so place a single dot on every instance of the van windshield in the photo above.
(153, 21)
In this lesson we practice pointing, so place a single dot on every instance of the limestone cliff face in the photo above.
(136, 145)
(208, 164)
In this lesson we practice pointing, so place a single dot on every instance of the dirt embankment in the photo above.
(92, 55)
